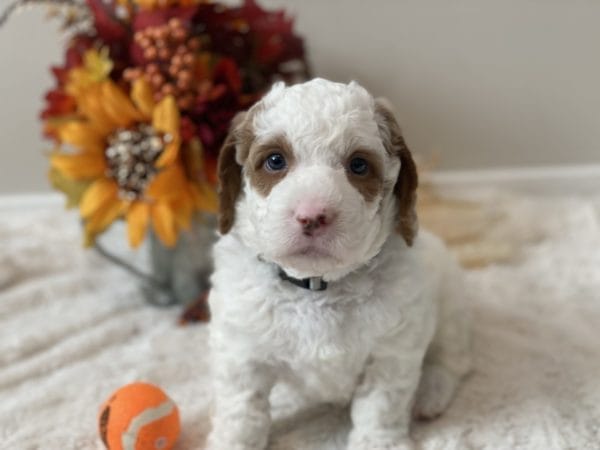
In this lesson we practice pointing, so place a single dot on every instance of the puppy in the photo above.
(321, 280)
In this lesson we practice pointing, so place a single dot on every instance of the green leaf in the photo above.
(73, 189)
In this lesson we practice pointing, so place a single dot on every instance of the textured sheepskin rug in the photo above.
(73, 328)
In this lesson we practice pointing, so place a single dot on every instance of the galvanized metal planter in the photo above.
(178, 275)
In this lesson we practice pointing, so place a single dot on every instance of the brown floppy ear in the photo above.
(405, 188)
(229, 170)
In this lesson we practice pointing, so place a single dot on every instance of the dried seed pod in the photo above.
(175, 23)
(164, 54)
(157, 80)
(179, 35)
(150, 53)
(183, 85)
(167, 89)
(173, 70)
(131, 74)
(152, 68)
(188, 58)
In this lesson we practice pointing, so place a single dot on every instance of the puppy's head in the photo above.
(315, 177)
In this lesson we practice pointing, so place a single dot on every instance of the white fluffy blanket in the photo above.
(73, 328)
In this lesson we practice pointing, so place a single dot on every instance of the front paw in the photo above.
(435, 392)
(380, 443)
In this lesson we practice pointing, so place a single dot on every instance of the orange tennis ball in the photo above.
(139, 416)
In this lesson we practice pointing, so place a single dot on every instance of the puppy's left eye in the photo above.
(358, 166)
(275, 162)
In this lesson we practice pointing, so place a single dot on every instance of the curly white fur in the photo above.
(392, 315)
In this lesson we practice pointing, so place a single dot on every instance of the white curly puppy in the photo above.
(321, 280)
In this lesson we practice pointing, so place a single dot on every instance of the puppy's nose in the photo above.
(313, 219)
(312, 223)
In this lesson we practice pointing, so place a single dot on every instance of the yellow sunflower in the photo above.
(127, 149)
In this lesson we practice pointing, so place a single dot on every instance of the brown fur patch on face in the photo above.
(261, 178)
(405, 188)
(406, 192)
(233, 153)
(369, 184)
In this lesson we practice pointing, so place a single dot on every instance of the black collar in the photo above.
(312, 283)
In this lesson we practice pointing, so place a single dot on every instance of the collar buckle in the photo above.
(311, 284)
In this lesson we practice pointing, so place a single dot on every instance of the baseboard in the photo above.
(31, 200)
(550, 180)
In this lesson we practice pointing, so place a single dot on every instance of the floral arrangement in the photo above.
(144, 100)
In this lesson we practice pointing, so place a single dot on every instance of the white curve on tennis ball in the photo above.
(129, 438)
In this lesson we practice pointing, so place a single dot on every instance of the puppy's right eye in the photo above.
(359, 166)
(275, 162)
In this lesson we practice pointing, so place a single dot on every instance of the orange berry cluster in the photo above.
(170, 54)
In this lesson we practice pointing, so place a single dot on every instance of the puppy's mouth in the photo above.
(307, 261)
(310, 251)
(302, 252)
(303, 249)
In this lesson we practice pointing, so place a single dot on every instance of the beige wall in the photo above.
(481, 83)
(28, 46)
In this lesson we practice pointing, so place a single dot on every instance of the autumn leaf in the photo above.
(73, 189)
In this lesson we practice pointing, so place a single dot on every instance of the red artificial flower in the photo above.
(106, 25)
(154, 17)
(59, 103)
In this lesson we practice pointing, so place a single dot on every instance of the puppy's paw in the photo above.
(370, 443)
(436, 389)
